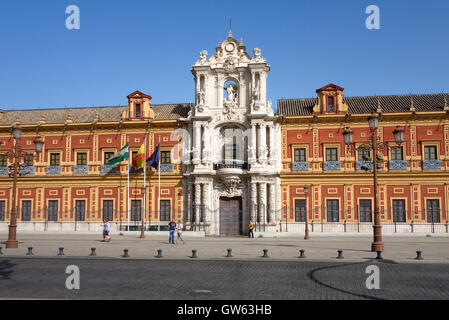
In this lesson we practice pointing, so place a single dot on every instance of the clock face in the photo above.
(229, 47)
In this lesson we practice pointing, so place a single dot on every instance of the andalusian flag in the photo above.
(120, 156)
(139, 159)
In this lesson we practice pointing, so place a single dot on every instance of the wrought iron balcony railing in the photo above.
(81, 169)
(331, 165)
(53, 170)
(397, 164)
(231, 165)
(431, 164)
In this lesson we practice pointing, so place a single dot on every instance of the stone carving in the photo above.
(257, 55)
(203, 56)
(201, 98)
(230, 186)
(229, 64)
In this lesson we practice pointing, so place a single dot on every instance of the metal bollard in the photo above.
(92, 252)
(301, 253)
(419, 255)
(193, 254)
(159, 253)
(125, 253)
(340, 254)
(30, 251)
(229, 255)
(379, 255)
(265, 253)
(61, 252)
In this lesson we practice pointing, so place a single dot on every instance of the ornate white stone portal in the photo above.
(233, 155)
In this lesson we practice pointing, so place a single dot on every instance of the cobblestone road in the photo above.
(102, 278)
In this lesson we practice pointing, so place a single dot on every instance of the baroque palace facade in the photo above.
(229, 158)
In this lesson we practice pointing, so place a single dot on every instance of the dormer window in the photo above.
(137, 110)
(330, 104)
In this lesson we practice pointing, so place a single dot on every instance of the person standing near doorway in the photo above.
(251, 229)
(106, 231)
(179, 228)
(171, 229)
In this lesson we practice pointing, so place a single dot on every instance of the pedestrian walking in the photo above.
(179, 228)
(106, 231)
(171, 228)
(251, 228)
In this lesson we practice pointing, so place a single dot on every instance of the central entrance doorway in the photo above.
(230, 216)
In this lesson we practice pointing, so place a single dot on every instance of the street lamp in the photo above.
(375, 146)
(306, 236)
(142, 229)
(15, 155)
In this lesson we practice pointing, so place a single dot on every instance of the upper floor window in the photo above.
(230, 151)
(107, 156)
(3, 160)
(55, 159)
(331, 154)
(138, 110)
(397, 153)
(300, 155)
(330, 104)
(165, 157)
(81, 159)
(363, 155)
(430, 153)
(28, 159)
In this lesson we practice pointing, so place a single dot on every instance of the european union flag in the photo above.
(153, 160)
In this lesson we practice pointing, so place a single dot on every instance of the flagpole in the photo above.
(129, 159)
(159, 189)
(142, 234)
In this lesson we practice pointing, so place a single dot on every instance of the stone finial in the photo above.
(230, 33)
(379, 107)
(241, 44)
(412, 105)
(446, 107)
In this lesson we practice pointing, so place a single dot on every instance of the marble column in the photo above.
(197, 203)
(253, 144)
(197, 142)
(263, 202)
(189, 203)
(253, 206)
(262, 142)
(271, 137)
(205, 205)
(272, 202)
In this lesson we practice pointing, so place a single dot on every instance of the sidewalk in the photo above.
(319, 248)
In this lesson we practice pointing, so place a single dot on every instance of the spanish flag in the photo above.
(139, 159)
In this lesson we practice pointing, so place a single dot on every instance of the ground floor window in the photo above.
(26, 210)
(433, 210)
(53, 210)
(108, 210)
(332, 210)
(365, 210)
(80, 210)
(2, 210)
(399, 210)
(136, 210)
(300, 210)
(164, 210)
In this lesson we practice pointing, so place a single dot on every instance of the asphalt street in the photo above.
(127, 278)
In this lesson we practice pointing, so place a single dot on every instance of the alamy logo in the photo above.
(73, 20)
(73, 280)
(373, 281)
(373, 20)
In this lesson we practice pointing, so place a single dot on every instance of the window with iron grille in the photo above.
(331, 154)
(433, 210)
(80, 210)
(300, 210)
(138, 110)
(108, 210)
(165, 156)
(363, 155)
(399, 210)
(396, 153)
(300, 154)
(2, 210)
(165, 210)
(430, 153)
(26, 210)
(107, 156)
(52, 210)
(136, 210)
(330, 104)
(81, 159)
(28, 159)
(54, 159)
(3, 160)
(230, 151)
(333, 210)
(365, 210)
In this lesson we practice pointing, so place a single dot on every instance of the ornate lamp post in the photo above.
(306, 236)
(15, 155)
(376, 147)
(142, 228)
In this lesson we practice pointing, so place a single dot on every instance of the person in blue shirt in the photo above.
(172, 229)
(106, 230)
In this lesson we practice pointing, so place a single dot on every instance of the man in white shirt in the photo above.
(179, 228)
(107, 229)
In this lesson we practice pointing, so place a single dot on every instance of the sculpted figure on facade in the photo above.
(203, 57)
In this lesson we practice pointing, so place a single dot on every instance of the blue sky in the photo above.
(150, 46)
